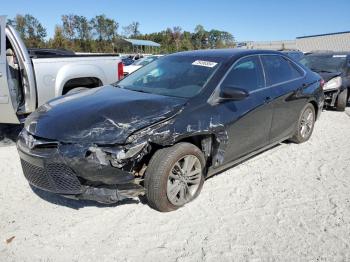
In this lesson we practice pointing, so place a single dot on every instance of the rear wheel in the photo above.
(174, 177)
(342, 100)
(305, 125)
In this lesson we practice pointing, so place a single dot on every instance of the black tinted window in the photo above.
(246, 74)
(279, 69)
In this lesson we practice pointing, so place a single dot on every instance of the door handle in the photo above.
(0, 74)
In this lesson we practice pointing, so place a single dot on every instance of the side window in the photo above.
(278, 69)
(246, 74)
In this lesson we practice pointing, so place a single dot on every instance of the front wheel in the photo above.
(305, 125)
(174, 176)
(342, 100)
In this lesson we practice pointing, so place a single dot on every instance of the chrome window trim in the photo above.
(290, 60)
(213, 99)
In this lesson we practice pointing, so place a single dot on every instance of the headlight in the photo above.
(334, 83)
(131, 152)
(118, 156)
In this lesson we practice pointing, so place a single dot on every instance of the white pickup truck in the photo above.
(26, 83)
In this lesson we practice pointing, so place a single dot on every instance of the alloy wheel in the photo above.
(306, 123)
(184, 179)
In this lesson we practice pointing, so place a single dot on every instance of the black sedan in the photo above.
(163, 130)
(334, 68)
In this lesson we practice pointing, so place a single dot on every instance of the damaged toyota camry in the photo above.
(161, 131)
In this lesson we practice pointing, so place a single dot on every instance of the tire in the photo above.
(305, 125)
(77, 90)
(342, 100)
(164, 166)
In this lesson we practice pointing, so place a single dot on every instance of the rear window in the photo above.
(279, 70)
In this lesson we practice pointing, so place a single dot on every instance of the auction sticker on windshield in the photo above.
(204, 63)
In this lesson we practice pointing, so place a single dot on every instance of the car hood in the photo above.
(106, 115)
(328, 76)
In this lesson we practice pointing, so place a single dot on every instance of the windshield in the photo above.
(324, 63)
(145, 61)
(178, 76)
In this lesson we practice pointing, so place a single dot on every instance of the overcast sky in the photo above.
(246, 20)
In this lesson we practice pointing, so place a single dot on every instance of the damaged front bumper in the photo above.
(102, 174)
(330, 97)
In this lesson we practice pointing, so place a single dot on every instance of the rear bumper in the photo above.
(75, 177)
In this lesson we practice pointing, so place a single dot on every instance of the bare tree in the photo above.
(132, 30)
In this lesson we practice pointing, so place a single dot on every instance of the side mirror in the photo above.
(233, 93)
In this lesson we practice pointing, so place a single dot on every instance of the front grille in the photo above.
(36, 175)
(55, 177)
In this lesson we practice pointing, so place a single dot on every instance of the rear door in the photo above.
(251, 130)
(7, 110)
(287, 82)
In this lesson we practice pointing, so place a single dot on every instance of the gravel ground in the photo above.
(291, 203)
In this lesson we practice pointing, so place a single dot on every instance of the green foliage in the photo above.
(30, 29)
(100, 34)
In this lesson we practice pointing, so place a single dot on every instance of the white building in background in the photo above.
(332, 42)
(270, 45)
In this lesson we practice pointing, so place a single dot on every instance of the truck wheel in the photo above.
(76, 90)
(305, 125)
(342, 100)
(174, 177)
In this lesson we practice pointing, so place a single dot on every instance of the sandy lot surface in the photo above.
(291, 203)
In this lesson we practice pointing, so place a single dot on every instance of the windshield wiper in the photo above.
(138, 90)
(320, 70)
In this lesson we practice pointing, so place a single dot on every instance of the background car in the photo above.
(127, 61)
(334, 68)
(138, 64)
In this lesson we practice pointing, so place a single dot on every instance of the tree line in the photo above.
(101, 34)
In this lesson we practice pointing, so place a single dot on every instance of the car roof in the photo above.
(328, 53)
(224, 53)
(291, 51)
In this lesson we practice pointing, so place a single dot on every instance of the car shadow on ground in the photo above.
(77, 204)
(249, 158)
(9, 134)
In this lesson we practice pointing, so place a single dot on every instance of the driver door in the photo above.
(7, 110)
(250, 119)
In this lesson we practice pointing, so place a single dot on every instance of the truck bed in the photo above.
(52, 73)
